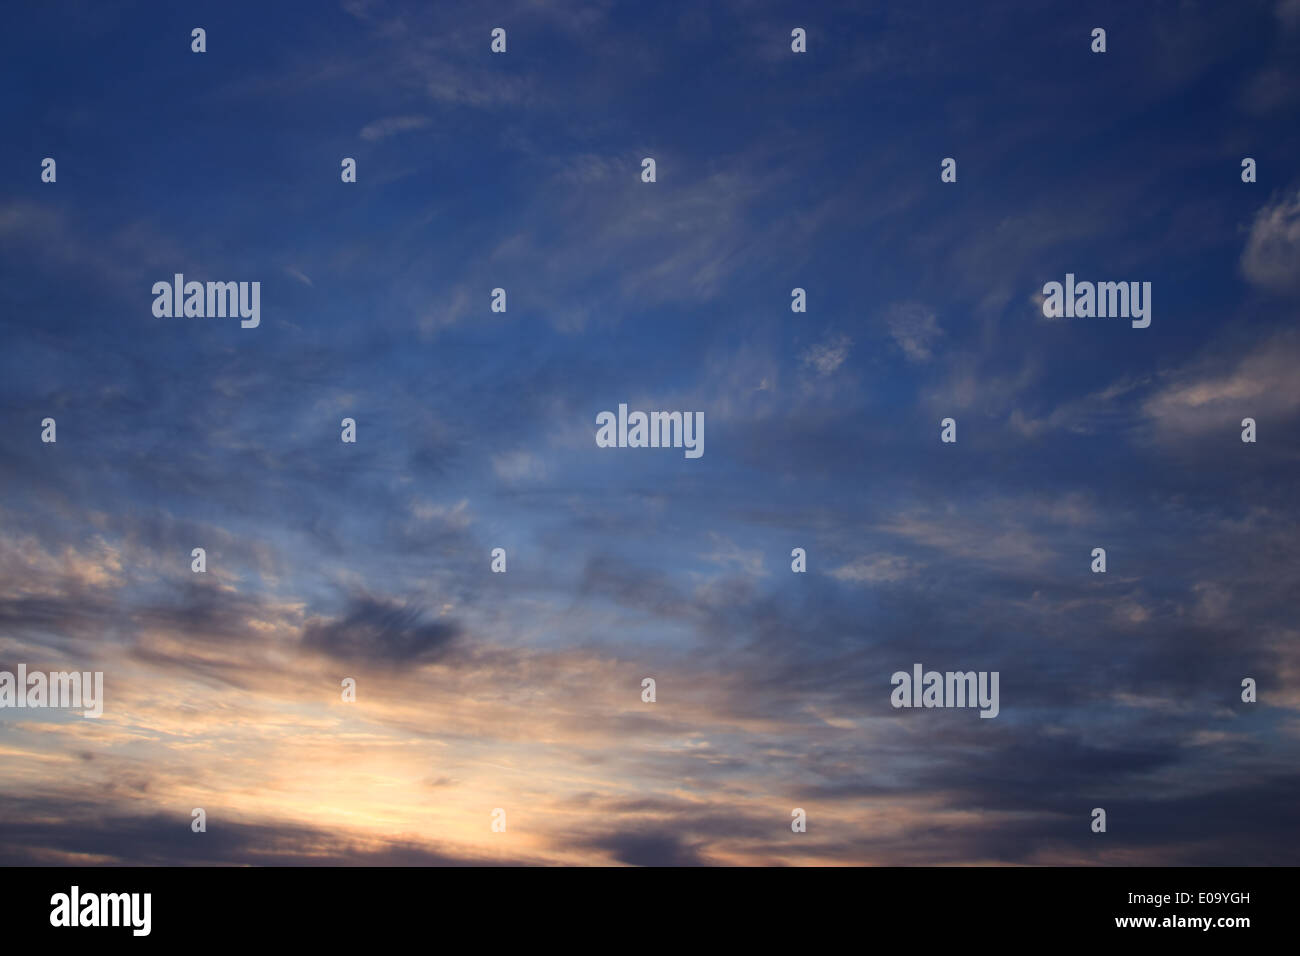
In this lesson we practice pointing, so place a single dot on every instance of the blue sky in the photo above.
(476, 430)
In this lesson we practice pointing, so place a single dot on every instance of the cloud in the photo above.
(875, 569)
(71, 832)
(616, 246)
(382, 632)
(730, 554)
(1271, 89)
(970, 384)
(1102, 410)
(1288, 11)
(825, 357)
(382, 129)
(122, 257)
(914, 328)
(650, 849)
(518, 466)
(1271, 259)
(1216, 395)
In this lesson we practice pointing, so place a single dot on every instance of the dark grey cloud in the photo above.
(382, 632)
(63, 832)
(650, 848)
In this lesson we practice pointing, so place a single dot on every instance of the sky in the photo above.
(476, 430)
